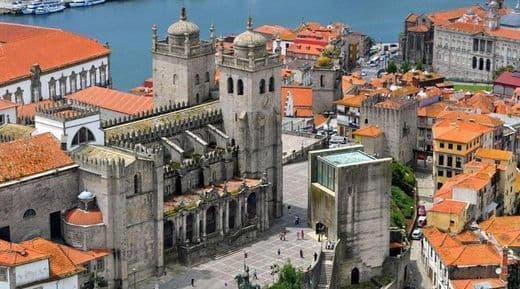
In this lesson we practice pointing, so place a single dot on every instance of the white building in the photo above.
(7, 112)
(471, 48)
(33, 68)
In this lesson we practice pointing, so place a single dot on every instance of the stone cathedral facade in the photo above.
(199, 174)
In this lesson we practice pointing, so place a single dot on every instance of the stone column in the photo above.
(197, 227)
(184, 217)
(226, 221)
(220, 224)
(204, 224)
(238, 216)
(177, 229)
(245, 209)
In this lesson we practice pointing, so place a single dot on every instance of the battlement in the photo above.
(152, 134)
(248, 64)
(142, 115)
(66, 110)
(204, 48)
(196, 161)
(104, 166)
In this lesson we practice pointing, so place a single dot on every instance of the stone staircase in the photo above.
(327, 266)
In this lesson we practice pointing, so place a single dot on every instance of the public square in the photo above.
(261, 254)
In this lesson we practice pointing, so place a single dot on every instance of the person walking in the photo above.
(297, 235)
(245, 254)
(301, 253)
(301, 234)
(315, 256)
(279, 252)
(192, 282)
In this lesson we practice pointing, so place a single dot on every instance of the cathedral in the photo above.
(198, 175)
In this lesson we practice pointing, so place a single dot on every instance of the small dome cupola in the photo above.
(512, 19)
(86, 198)
(183, 30)
(250, 44)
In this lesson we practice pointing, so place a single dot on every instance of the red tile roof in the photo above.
(507, 78)
(81, 257)
(12, 254)
(419, 28)
(449, 207)
(277, 31)
(24, 46)
(84, 218)
(4, 104)
(29, 156)
(302, 100)
(113, 100)
(369, 131)
(61, 265)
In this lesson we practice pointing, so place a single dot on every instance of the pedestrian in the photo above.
(192, 282)
(254, 275)
(297, 235)
(289, 209)
(301, 253)
(284, 235)
(279, 252)
(245, 255)
(315, 256)
(280, 235)
(301, 234)
(225, 284)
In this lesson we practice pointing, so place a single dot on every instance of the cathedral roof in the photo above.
(183, 26)
(249, 37)
(81, 217)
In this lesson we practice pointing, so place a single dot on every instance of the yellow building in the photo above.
(507, 174)
(454, 144)
(448, 216)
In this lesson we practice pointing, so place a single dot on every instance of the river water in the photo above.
(126, 24)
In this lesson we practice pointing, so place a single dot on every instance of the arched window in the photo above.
(52, 88)
(474, 62)
(481, 64)
(230, 85)
(354, 276)
(73, 82)
(262, 86)
(271, 84)
(366, 120)
(206, 79)
(174, 79)
(197, 79)
(92, 76)
(211, 220)
(240, 87)
(137, 183)
(322, 81)
(29, 214)
(488, 65)
(84, 135)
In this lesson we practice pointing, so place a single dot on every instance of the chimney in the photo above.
(503, 267)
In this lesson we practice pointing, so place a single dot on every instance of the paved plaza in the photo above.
(262, 254)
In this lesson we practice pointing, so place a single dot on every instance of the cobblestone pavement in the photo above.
(418, 278)
(262, 254)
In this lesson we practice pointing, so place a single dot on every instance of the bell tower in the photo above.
(183, 65)
(250, 83)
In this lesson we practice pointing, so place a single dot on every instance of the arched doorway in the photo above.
(232, 214)
(211, 220)
(354, 276)
(189, 227)
(169, 234)
(251, 206)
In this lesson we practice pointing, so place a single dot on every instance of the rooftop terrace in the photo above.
(347, 158)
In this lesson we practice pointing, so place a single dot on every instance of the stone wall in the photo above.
(85, 238)
(47, 194)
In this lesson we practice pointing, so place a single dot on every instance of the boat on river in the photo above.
(50, 7)
(85, 3)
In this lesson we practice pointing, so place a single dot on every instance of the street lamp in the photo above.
(133, 273)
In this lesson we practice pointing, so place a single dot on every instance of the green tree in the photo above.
(403, 177)
(396, 216)
(403, 202)
(392, 67)
(405, 67)
(503, 69)
(419, 66)
(289, 278)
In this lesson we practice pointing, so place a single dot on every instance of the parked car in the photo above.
(417, 234)
(421, 210)
(421, 221)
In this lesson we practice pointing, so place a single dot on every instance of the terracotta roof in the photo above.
(482, 101)
(113, 100)
(507, 78)
(12, 254)
(411, 18)
(471, 255)
(4, 104)
(60, 264)
(446, 16)
(347, 81)
(474, 180)
(432, 110)
(277, 31)
(419, 28)
(449, 207)
(368, 131)
(405, 91)
(494, 154)
(29, 156)
(319, 119)
(302, 100)
(50, 48)
(352, 100)
(472, 283)
(467, 236)
(482, 119)
(508, 33)
(79, 257)
(81, 217)
(438, 239)
(501, 224)
(299, 47)
(458, 131)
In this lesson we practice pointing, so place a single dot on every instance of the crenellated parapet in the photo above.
(171, 107)
(198, 161)
(106, 167)
(66, 110)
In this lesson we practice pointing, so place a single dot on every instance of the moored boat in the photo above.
(50, 7)
(84, 3)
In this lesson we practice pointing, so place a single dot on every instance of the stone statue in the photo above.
(243, 280)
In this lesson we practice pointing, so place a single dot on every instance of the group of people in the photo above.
(330, 245)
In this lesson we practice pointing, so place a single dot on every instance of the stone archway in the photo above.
(211, 220)
(232, 214)
(354, 276)
(251, 206)
(189, 227)
(169, 234)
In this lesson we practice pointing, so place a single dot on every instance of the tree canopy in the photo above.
(503, 69)
(392, 67)
(289, 278)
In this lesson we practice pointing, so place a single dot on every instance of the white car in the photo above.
(417, 234)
